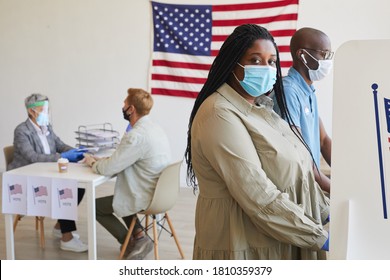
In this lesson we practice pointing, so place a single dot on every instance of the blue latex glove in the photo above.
(73, 155)
(326, 245)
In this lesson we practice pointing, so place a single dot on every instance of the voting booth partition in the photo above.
(360, 194)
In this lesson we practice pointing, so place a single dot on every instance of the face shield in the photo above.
(43, 112)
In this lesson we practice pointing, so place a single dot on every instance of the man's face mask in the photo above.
(43, 116)
(258, 79)
(43, 119)
(324, 67)
(125, 115)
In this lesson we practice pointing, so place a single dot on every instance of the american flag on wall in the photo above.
(186, 39)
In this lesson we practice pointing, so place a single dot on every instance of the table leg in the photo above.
(9, 236)
(92, 252)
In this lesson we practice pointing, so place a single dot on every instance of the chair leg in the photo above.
(146, 223)
(155, 237)
(128, 235)
(39, 220)
(174, 235)
(39, 225)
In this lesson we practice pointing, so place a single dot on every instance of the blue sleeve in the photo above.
(293, 104)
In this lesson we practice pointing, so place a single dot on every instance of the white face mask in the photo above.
(324, 67)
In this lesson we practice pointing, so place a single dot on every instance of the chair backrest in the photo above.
(167, 190)
(8, 155)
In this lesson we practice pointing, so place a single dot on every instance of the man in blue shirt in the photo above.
(312, 61)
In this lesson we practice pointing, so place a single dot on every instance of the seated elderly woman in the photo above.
(35, 141)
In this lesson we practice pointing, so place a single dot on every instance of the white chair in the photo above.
(9, 155)
(164, 198)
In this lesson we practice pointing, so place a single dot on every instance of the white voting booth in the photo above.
(360, 197)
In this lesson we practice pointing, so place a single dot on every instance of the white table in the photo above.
(86, 179)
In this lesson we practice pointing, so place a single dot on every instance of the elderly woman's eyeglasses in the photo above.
(325, 54)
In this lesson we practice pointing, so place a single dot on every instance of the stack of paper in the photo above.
(97, 138)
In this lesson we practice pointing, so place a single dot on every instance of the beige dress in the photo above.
(258, 198)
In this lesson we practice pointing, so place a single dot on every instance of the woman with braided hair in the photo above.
(258, 198)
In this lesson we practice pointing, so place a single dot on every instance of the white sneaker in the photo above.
(74, 245)
(57, 233)
(141, 249)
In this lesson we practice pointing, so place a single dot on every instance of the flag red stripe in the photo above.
(263, 20)
(253, 6)
(284, 48)
(174, 92)
(285, 64)
(275, 33)
(197, 66)
(182, 79)
(283, 32)
(280, 48)
(175, 64)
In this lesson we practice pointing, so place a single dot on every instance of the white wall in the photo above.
(84, 54)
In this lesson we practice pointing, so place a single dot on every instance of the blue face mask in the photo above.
(258, 79)
(43, 116)
(43, 119)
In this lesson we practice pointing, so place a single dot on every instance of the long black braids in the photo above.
(230, 53)
(285, 113)
(282, 103)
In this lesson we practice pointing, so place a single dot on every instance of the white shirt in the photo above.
(42, 133)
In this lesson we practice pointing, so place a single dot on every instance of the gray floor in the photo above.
(27, 238)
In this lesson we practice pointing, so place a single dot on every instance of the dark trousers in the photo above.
(69, 225)
(105, 216)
